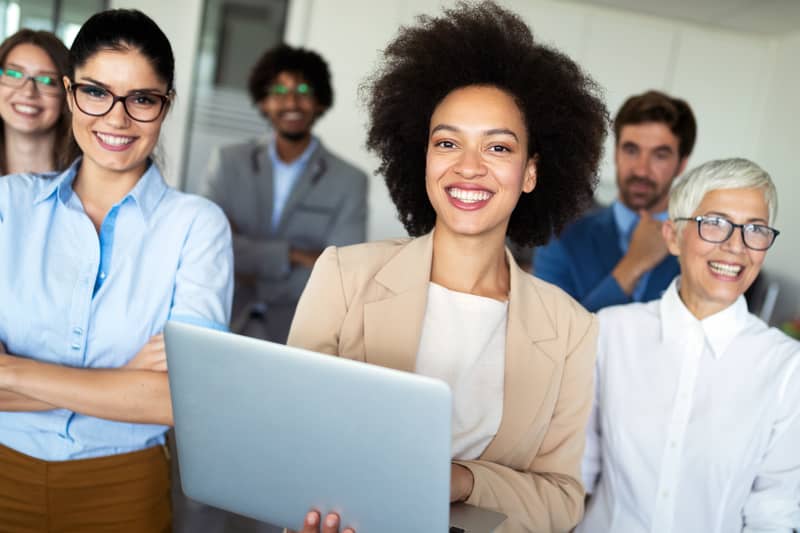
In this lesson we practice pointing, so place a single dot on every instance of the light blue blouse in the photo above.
(76, 298)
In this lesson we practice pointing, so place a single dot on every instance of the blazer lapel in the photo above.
(262, 199)
(315, 168)
(606, 242)
(529, 367)
(393, 324)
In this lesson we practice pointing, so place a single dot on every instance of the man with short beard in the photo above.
(287, 197)
(616, 255)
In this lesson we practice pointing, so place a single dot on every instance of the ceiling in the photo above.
(766, 17)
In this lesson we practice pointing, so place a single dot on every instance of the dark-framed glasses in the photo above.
(46, 84)
(302, 90)
(717, 229)
(141, 106)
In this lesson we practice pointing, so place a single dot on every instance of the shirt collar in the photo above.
(297, 163)
(626, 218)
(61, 183)
(719, 329)
(146, 194)
(148, 191)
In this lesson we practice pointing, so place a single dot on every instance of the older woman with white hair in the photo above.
(696, 421)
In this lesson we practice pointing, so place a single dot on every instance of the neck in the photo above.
(100, 189)
(699, 307)
(290, 149)
(29, 152)
(471, 264)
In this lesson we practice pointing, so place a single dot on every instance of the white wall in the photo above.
(778, 154)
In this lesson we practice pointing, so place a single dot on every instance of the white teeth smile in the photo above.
(469, 197)
(291, 115)
(114, 140)
(725, 269)
(26, 109)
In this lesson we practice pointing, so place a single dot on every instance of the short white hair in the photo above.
(688, 191)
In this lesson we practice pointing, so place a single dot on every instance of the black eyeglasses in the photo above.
(97, 101)
(11, 77)
(718, 229)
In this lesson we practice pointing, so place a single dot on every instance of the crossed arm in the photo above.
(137, 392)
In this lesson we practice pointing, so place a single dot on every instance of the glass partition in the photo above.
(235, 34)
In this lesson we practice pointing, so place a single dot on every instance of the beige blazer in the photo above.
(367, 302)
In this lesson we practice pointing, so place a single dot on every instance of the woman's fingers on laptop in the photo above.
(313, 524)
(152, 356)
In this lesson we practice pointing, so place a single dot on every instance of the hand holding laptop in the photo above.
(311, 524)
(461, 483)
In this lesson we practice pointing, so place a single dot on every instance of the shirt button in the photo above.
(102, 275)
(673, 444)
(77, 331)
(665, 494)
(76, 346)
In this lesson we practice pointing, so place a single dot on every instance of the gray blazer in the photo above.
(327, 206)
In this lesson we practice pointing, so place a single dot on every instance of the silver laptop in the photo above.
(270, 431)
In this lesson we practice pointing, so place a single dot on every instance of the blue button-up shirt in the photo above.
(73, 297)
(627, 220)
(284, 177)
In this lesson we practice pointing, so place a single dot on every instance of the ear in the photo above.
(670, 232)
(682, 165)
(67, 93)
(529, 178)
(171, 94)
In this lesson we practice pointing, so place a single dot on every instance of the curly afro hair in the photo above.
(284, 58)
(484, 44)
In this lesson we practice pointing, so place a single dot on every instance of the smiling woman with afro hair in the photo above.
(482, 133)
(566, 121)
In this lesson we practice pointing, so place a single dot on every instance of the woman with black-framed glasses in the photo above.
(696, 419)
(34, 119)
(94, 261)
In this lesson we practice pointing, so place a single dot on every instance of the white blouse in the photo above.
(696, 423)
(463, 343)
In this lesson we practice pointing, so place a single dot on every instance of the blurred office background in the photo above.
(733, 60)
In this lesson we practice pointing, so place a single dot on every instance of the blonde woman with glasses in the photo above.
(696, 419)
(34, 136)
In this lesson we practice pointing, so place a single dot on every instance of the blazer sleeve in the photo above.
(605, 294)
(265, 258)
(350, 226)
(554, 264)
(547, 495)
(321, 310)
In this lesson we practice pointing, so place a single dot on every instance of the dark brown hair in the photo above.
(65, 149)
(484, 44)
(655, 106)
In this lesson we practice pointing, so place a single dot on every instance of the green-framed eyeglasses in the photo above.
(300, 90)
(11, 77)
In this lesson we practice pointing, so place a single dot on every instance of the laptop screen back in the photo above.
(271, 431)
